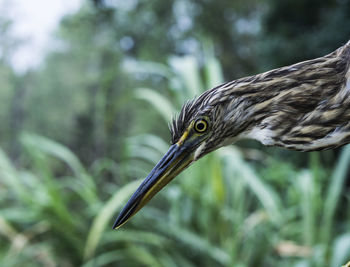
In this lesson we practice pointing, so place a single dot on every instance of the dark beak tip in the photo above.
(129, 209)
(119, 222)
(115, 226)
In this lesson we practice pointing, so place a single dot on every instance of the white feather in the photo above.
(265, 136)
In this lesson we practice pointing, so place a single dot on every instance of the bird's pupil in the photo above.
(200, 126)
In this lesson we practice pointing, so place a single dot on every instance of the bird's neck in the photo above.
(304, 106)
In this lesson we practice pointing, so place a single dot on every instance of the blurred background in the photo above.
(87, 89)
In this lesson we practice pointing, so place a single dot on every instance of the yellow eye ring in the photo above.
(200, 126)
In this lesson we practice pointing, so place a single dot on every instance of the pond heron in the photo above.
(305, 107)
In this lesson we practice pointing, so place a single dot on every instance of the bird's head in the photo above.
(194, 134)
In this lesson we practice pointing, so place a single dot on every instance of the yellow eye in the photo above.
(200, 125)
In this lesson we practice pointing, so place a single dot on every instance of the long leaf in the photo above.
(333, 195)
(104, 216)
(157, 101)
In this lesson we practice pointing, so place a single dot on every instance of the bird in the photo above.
(304, 107)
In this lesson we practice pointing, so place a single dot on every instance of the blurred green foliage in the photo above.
(79, 133)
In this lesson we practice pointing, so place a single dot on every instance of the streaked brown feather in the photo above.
(305, 106)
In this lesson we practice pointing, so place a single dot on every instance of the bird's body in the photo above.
(305, 106)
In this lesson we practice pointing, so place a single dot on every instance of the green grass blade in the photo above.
(57, 150)
(307, 187)
(7, 230)
(267, 197)
(212, 68)
(157, 101)
(12, 178)
(187, 68)
(341, 250)
(334, 192)
(104, 217)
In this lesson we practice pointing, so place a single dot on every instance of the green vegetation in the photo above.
(79, 134)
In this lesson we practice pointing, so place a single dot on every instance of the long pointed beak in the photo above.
(173, 162)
